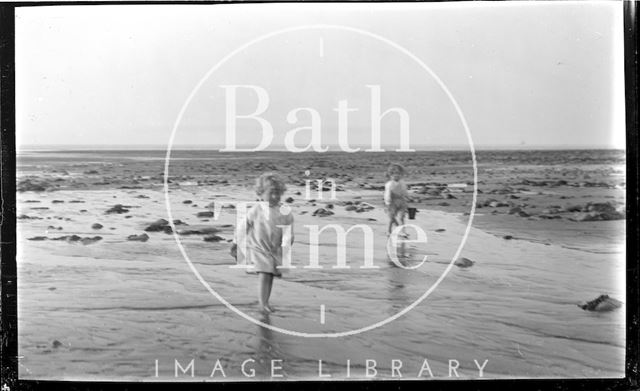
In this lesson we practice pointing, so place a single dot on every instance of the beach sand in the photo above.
(114, 308)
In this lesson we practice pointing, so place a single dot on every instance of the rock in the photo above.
(68, 238)
(38, 238)
(366, 186)
(32, 185)
(56, 344)
(507, 237)
(289, 200)
(138, 238)
(350, 207)
(504, 190)
(364, 207)
(179, 222)
(440, 230)
(194, 230)
(157, 226)
(322, 212)
(549, 216)
(515, 210)
(97, 226)
(573, 208)
(597, 216)
(26, 217)
(498, 204)
(91, 172)
(187, 202)
(449, 196)
(76, 202)
(142, 196)
(118, 208)
(90, 240)
(213, 238)
(605, 207)
(443, 204)
(463, 262)
(602, 303)
(207, 213)
(57, 201)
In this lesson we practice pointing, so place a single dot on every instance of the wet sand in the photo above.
(111, 307)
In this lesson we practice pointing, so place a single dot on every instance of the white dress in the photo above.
(395, 198)
(263, 238)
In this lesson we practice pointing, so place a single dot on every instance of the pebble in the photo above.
(213, 238)
(602, 303)
(322, 212)
(138, 238)
(463, 262)
(118, 208)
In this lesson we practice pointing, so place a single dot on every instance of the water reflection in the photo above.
(267, 350)
(397, 282)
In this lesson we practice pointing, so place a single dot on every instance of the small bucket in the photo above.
(412, 213)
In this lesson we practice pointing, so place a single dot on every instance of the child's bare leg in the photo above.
(264, 289)
(400, 222)
(269, 286)
(266, 282)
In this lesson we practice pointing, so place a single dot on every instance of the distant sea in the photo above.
(332, 148)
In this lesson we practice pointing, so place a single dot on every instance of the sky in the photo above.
(539, 74)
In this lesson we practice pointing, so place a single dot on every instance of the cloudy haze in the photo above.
(523, 74)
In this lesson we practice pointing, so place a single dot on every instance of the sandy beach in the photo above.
(110, 303)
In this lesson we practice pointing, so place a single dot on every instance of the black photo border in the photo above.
(8, 291)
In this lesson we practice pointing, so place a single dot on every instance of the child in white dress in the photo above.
(396, 197)
(262, 233)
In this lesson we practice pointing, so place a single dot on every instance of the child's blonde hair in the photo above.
(274, 179)
(395, 166)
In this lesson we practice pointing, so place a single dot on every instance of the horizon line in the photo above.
(282, 148)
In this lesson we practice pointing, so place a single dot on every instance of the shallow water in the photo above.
(118, 306)
(118, 309)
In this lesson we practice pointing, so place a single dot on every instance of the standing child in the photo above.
(395, 198)
(262, 231)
